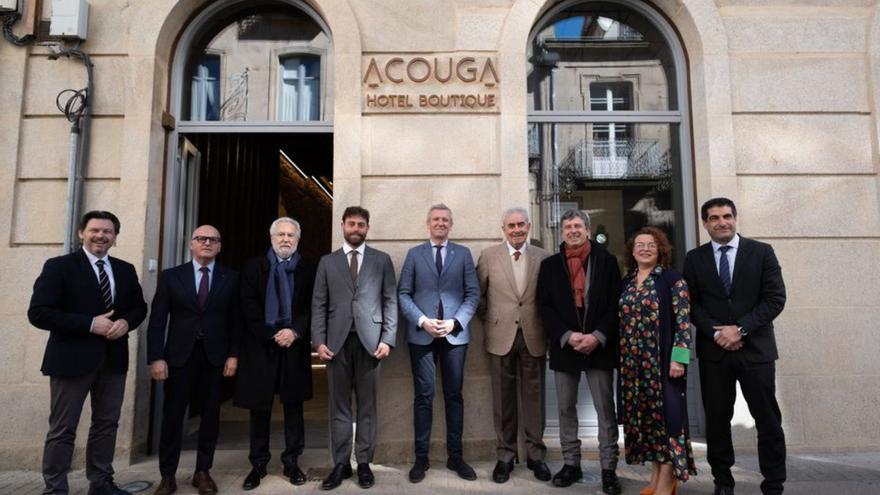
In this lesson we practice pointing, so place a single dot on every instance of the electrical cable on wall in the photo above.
(8, 19)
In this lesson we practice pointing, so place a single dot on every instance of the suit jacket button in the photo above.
(520, 304)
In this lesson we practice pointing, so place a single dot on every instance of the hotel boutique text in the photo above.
(430, 83)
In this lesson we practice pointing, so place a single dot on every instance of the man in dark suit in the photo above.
(354, 327)
(88, 301)
(201, 299)
(578, 292)
(275, 352)
(438, 295)
(515, 342)
(736, 292)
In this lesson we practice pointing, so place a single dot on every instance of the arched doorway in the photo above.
(609, 133)
(252, 104)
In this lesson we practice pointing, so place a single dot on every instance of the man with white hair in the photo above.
(515, 342)
(275, 352)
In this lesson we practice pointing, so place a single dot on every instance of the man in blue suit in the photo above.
(438, 295)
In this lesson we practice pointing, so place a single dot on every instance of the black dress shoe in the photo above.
(339, 473)
(502, 470)
(253, 478)
(567, 475)
(295, 474)
(610, 483)
(108, 488)
(461, 468)
(417, 473)
(542, 472)
(166, 487)
(365, 475)
(723, 490)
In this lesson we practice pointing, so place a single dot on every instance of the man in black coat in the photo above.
(578, 292)
(88, 301)
(201, 299)
(275, 353)
(736, 292)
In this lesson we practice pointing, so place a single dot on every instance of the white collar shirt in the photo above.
(108, 269)
(347, 249)
(731, 253)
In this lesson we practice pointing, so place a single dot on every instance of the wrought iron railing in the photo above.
(619, 159)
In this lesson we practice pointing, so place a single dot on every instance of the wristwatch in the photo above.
(742, 331)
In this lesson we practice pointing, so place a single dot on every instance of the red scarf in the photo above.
(576, 257)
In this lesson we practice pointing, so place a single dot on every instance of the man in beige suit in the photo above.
(515, 340)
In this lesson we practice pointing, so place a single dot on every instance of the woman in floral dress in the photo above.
(654, 351)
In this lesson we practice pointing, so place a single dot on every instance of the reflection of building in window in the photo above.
(611, 142)
(300, 88)
(274, 63)
(205, 90)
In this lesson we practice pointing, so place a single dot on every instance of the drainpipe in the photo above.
(73, 175)
(77, 109)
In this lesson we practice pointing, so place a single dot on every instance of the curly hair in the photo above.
(664, 248)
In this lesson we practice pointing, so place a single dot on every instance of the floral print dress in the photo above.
(649, 400)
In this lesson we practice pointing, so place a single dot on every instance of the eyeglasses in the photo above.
(642, 245)
(285, 234)
(204, 239)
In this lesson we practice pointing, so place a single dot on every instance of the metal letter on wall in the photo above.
(430, 83)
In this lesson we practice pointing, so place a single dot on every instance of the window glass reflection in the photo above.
(597, 43)
(259, 63)
(623, 175)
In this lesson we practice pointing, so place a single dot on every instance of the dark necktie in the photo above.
(104, 284)
(438, 259)
(353, 266)
(438, 262)
(203, 287)
(516, 255)
(724, 269)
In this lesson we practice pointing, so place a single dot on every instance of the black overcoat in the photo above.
(560, 315)
(265, 367)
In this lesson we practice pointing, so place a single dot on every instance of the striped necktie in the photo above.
(104, 284)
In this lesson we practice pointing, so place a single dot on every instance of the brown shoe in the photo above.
(166, 487)
(202, 480)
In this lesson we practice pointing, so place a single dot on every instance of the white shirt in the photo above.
(731, 254)
(347, 249)
(108, 269)
(442, 250)
(197, 269)
(522, 250)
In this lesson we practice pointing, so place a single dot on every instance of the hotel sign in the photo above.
(430, 83)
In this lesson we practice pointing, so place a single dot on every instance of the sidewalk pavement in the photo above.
(808, 474)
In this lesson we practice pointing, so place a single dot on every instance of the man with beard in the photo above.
(275, 354)
(578, 292)
(198, 303)
(736, 292)
(439, 294)
(88, 301)
(354, 327)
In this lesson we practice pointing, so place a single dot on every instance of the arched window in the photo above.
(608, 122)
(257, 61)
(609, 134)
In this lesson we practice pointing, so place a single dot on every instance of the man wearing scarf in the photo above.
(275, 353)
(578, 290)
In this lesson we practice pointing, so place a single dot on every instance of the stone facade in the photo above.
(783, 121)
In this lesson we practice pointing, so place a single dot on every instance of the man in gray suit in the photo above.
(354, 325)
(439, 294)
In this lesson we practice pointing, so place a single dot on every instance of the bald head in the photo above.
(204, 244)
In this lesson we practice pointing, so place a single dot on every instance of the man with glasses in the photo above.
(198, 304)
(276, 354)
